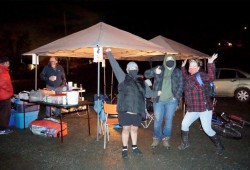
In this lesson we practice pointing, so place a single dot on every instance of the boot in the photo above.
(165, 142)
(184, 144)
(219, 147)
(155, 142)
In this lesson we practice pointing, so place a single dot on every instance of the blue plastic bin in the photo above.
(12, 118)
(29, 117)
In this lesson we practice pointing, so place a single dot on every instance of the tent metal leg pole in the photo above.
(104, 80)
(112, 81)
(98, 95)
(36, 77)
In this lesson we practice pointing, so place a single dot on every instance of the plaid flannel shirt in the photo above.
(197, 99)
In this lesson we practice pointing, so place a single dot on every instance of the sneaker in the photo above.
(125, 154)
(137, 152)
(165, 142)
(155, 142)
(5, 131)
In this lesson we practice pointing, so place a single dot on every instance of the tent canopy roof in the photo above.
(124, 45)
(184, 52)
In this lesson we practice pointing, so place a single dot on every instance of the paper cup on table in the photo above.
(70, 85)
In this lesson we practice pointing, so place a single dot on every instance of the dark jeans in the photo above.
(5, 106)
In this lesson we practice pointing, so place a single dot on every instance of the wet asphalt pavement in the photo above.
(24, 150)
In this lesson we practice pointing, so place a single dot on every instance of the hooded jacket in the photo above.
(6, 88)
(176, 79)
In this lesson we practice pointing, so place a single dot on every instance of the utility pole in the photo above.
(65, 33)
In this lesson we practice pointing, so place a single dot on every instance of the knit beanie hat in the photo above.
(132, 66)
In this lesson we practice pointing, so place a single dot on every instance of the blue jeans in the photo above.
(164, 110)
(58, 90)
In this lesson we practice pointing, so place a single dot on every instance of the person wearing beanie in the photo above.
(131, 105)
(169, 80)
(6, 92)
(198, 101)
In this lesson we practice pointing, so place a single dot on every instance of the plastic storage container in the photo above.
(12, 118)
(29, 117)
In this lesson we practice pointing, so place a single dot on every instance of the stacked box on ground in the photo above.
(29, 117)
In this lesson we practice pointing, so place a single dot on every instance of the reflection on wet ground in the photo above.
(24, 150)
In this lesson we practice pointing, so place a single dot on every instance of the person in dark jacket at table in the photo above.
(132, 90)
(54, 76)
(6, 92)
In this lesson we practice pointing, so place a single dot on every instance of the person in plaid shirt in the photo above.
(198, 101)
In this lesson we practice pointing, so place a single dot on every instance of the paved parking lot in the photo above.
(24, 150)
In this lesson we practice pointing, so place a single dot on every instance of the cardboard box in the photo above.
(29, 117)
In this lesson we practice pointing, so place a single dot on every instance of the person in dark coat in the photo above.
(132, 91)
(54, 76)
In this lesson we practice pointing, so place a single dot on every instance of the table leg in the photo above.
(88, 118)
(61, 127)
(50, 111)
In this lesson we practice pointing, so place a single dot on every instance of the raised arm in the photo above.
(183, 69)
(211, 67)
(119, 73)
(149, 92)
(150, 73)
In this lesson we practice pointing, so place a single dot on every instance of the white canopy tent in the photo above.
(124, 45)
(183, 51)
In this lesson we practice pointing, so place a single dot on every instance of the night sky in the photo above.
(201, 25)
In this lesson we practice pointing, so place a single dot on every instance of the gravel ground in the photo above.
(24, 150)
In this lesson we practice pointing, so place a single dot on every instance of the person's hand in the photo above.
(159, 93)
(108, 50)
(211, 59)
(148, 82)
(52, 78)
(158, 70)
(183, 63)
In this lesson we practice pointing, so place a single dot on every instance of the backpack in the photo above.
(211, 89)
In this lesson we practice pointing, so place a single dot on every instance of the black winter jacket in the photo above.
(131, 95)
